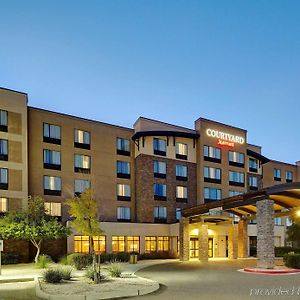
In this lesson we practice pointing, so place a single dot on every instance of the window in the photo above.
(53, 209)
(52, 185)
(212, 154)
(160, 191)
(123, 192)
(181, 151)
(253, 165)
(212, 175)
(236, 159)
(52, 134)
(160, 169)
(3, 149)
(82, 244)
(3, 204)
(3, 178)
(82, 139)
(123, 146)
(82, 163)
(236, 178)
(133, 244)
(235, 193)
(52, 159)
(253, 183)
(150, 244)
(235, 218)
(181, 172)
(3, 120)
(80, 186)
(278, 221)
(163, 243)
(212, 194)
(123, 214)
(159, 147)
(118, 243)
(277, 174)
(181, 193)
(123, 169)
(160, 214)
(178, 214)
(289, 176)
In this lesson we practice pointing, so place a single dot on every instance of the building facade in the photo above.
(142, 177)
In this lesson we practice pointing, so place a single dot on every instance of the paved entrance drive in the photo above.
(218, 280)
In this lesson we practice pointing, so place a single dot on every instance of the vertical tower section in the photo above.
(13, 150)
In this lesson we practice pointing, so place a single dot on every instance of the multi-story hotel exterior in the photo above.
(141, 177)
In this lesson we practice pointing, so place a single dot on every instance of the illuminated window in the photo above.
(118, 244)
(51, 133)
(52, 185)
(212, 154)
(212, 194)
(3, 204)
(133, 243)
(82, 163)
(3, 149)
(181, 150)
(289, 176)
(82, 244)
(123, 146)
(163, 243)
(150, 244)
(3, 120)
(236, 158)
(123, 191)
(82, 139)
(159, 146)
(53, 209)
(277, 174)
(212, 175)
(181, 193)
(277, 221)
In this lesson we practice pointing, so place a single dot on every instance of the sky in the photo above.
(236, 62)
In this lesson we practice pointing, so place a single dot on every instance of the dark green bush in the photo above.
(81, 261)
(281, 251)
(52, 275)
(108, 257)
(66, 272)
(157, 255)
(9, 258)
(292, 260)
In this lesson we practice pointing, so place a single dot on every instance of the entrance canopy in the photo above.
(286, 199)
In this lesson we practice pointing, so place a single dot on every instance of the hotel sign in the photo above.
(224, 138)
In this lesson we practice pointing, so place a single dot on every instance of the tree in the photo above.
(83, 210)
(293, 233)
(33, 225)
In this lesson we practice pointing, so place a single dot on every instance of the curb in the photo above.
(12, 280)
(271, 272)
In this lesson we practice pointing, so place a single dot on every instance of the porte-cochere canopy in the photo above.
(286, 199)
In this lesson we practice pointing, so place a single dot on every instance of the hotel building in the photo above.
(141, 177)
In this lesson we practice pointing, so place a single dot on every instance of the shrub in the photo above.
(89, 274)
(281, 251)
(157, 255)
(108, 257)
(114, 269)
(43, 261)
(66, 272)
(81, 261)
(9, 258)
(292, 260)
(68, 259)
(52, 275)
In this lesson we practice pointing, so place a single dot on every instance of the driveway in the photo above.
(218, 280)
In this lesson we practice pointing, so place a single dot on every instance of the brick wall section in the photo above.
(19, 247)
(145, 179)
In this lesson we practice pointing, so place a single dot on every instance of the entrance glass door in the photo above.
(194, 247)
(210, 247)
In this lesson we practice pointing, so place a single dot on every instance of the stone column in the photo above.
(203, 242)
(242, 239)
(184, 239)
(108, 243)
(265, 234)
(233, 242)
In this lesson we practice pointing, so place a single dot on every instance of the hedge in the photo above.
(9, 258)
(281, 251)
(292, 260)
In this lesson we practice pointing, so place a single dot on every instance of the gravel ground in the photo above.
(81, 286)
